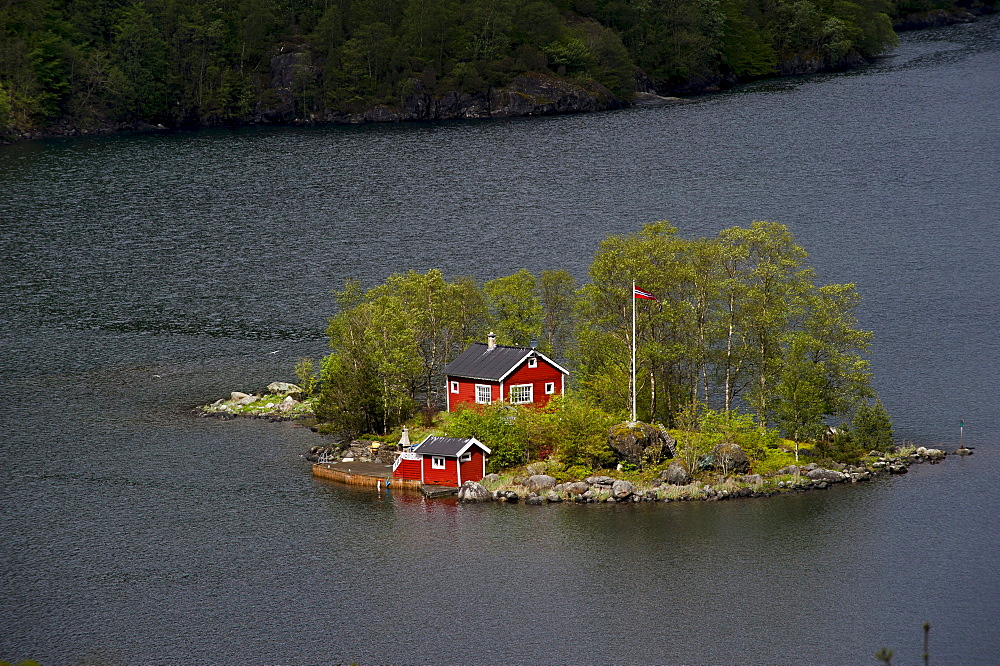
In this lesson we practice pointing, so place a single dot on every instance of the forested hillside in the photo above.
(102, 63)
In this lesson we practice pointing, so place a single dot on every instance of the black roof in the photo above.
(443, 446)
(481, 362)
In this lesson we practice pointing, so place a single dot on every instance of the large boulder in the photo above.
(287, 404)
(471, 491)
(278, 388)
(641, 443)
(599, 480)
(675, 474)
(828, 475)
(576, 488)
(622, 489)
(536, 483)
(728, 459)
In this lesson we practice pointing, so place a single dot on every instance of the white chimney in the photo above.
(491, 341)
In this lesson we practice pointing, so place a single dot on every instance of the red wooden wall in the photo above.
(407, 469)
(440, 477)
(467, 392)
(537, 377)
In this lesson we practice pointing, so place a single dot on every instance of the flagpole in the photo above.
(633, 351)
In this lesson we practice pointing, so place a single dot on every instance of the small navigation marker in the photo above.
(962, 450)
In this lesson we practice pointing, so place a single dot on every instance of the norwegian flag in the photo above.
(642, 293)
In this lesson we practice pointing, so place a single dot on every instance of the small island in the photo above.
(744, 377)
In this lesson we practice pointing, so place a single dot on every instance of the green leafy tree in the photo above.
(557, 295)
(142, 56)
(515, 308)
(800, 404)
(872, 427)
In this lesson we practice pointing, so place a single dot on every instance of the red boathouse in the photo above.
(443, 461)
(487, 373)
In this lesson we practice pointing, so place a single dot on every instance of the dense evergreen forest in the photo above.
(105, 63)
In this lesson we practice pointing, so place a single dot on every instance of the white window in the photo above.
(484, 394)
(466, 457)
(550, 388)
(532, 362)
(437, 462)
(521, 394)
(454, 387)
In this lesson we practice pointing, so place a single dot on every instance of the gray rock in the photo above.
(472, 491)
(754, 479)
(600, 480)
(534, 499)
(536, 468)
(930, 454)
(236, 396)
(675, 474)
(828, 475)
(729, 459)
(577, 488)
(810, 467)
(622, 489)
(283, 387)
(539, 482)
(963, 451)
(287, 404)
(553, 496)
(491, 478)
(641, 443)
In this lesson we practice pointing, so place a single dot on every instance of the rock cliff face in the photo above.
(527, 95)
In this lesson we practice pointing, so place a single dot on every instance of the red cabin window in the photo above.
(437, 462)
(484, 394)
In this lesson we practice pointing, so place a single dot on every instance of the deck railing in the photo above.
(405, 455)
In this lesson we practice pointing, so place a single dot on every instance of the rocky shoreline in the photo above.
(674, 484)
(281, 401)
(537, 483)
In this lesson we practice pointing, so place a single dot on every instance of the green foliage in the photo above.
(581, 432)
(739, 321)
(184, 61)
(872, 427)
(5, 110)
(305, 372)
(499, 426)
(515, 308)
(389, 345)
(568, 430)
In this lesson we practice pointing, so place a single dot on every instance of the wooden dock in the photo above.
(375, 475)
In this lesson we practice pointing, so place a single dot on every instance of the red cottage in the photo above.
(484, 374)
(443, 461)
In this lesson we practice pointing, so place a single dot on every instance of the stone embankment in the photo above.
(281, 401)
(675, 485)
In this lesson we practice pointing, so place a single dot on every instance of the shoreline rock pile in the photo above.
(281, 401)
(675, 483)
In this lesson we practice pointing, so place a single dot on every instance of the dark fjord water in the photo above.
(145, 274)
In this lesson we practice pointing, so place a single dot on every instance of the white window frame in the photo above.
(480, 388)
(454, 387)
(533, 362)
(437, 462)
(466, 457)
(550, 388)
(521, 399)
